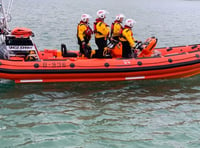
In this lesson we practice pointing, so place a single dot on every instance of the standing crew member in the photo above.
(127, 39)
(116, 27)
(84, 33)
(101, 30)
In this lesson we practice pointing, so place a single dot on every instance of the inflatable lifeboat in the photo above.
(22, 62)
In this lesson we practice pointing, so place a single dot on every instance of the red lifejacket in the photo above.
(88, 32)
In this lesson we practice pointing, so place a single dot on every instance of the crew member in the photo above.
(101, 30)
(31, 56)
(127, 39)
(84, 33)
(116, 27)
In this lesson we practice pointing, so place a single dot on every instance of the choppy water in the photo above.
(139, 114)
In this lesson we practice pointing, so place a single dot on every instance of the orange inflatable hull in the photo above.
(174, 62)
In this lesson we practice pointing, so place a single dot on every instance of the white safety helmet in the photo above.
(119, 17)
(130, 23)
(85, 17)
(101, 14)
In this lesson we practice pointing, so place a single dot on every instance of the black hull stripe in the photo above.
(106, 70)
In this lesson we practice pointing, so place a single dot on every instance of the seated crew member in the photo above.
(31, 56)
(101, 30)
(116, 27)
(127, 39)
(84, 33)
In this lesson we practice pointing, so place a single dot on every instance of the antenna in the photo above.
(5, 17)
(9, 11)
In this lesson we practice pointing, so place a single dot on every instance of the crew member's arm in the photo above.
(81, 31)
(129, 37)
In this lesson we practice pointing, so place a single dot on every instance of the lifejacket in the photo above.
(98, 32)
(87, 33)
(112, 28)
(124, 38)
(126, 29)
(95, 25)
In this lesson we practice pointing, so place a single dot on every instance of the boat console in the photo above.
(19, 45)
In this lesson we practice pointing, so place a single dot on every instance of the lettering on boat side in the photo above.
(21, 48)
(126, 62)
(54, 64)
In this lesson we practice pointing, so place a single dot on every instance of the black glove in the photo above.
(83, 44)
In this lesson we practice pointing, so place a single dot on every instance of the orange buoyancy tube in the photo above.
(149, 44)
(21, 32)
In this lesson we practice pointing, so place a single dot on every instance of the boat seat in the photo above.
(65, 53)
